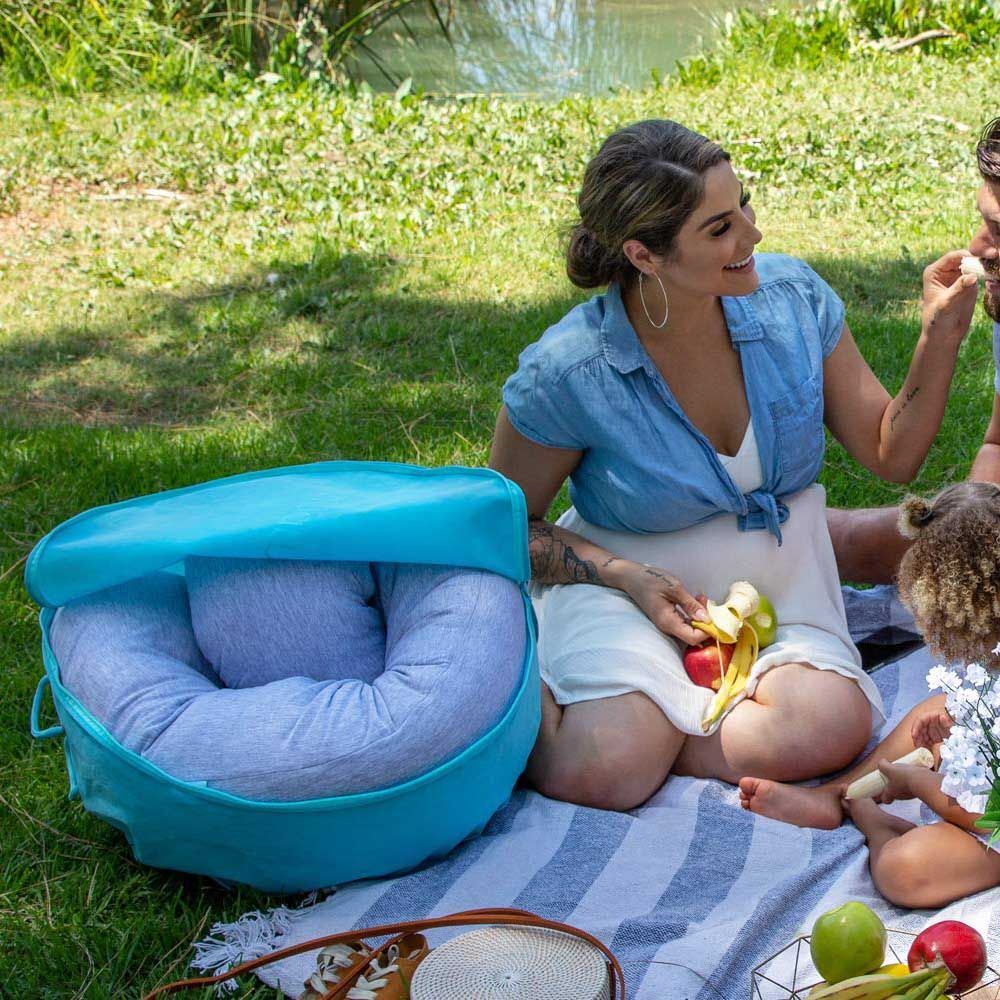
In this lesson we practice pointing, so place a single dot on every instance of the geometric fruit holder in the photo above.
(790, 974)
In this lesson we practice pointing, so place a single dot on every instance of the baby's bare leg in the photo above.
(923, 867)
(819, 807)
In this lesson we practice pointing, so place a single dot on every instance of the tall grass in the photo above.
(86, 45)
(811, 35)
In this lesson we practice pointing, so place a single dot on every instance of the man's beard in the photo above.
(991, 301)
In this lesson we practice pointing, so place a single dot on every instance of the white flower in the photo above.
(941, 678)
(996, 649)
(976, 675)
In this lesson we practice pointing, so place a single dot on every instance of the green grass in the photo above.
(353, 278)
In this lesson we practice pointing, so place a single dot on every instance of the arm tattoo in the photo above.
(902, 406)
(670, 581)
(553, 561)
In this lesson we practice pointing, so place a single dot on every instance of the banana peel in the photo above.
(735, 681)
(727, 624)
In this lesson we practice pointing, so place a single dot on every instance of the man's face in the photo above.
(986, 243)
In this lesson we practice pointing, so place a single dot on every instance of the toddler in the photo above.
(950, 581)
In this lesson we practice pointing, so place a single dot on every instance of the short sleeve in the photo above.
(540, 404)
(996, 357)
(829, 310)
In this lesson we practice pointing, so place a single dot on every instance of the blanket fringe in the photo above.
(251, 936)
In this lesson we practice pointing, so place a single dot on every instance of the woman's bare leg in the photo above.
(923, 867)
(820, 807)
(609, 753)
(800, 723)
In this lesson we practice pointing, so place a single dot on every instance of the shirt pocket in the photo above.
(798, 432)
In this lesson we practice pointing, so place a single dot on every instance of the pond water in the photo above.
(543, 47)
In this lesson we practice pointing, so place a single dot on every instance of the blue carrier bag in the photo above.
(371, 512)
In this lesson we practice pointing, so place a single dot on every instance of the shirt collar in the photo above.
(623, 349)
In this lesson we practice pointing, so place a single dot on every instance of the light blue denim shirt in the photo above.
(996, 356)
(588, 384)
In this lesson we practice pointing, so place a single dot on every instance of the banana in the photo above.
(876, 986)
(735, 681)
(872, 784)
(726, 619)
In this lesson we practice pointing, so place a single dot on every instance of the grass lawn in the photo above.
(335, 277)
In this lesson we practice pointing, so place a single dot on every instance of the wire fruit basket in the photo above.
(789, 974)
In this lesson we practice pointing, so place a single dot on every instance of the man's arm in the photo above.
(986, 466)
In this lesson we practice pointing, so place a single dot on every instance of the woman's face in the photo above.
(713, 253)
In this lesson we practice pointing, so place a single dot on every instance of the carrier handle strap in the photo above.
(36, 710)
(500, 915)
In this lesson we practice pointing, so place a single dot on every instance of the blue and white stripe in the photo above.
(689, 891)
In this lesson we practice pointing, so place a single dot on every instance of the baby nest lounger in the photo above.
(297, 677)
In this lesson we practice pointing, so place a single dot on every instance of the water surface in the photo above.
(543, 47)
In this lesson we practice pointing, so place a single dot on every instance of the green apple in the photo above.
(847, 941)
(764, 621)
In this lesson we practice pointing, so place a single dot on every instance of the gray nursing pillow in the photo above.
(285, 680)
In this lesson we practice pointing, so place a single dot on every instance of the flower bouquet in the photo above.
(970, 756)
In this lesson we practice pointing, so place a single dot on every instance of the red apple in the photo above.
(702, 663)
(959, 946)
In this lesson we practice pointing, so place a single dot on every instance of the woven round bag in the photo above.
(512, 963)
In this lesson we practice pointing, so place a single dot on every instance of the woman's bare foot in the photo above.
(816, 808)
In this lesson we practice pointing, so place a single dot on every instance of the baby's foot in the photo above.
(817, 808)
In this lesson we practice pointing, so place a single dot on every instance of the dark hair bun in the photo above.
(588, 263)
(914, 514)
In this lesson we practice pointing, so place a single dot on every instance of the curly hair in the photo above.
(950, 577)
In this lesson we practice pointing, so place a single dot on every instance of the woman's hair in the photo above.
(643, 184)
(988, 152)
(950, 577)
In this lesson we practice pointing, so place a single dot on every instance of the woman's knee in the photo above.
(605, 782)
(608, 756)
(814, 722)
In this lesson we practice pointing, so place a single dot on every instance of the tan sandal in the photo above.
(389, 974)
(336, 965)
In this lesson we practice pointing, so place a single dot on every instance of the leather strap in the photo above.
(500, 915)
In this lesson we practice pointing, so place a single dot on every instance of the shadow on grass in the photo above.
(350, 357)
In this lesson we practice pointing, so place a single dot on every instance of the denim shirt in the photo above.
(588, 384)
(996, 357)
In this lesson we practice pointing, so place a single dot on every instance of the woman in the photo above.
(686, 405)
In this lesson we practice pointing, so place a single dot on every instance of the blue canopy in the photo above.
(367, 511)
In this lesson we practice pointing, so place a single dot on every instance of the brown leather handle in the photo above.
(499, 915)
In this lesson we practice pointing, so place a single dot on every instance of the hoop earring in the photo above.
(666, 304)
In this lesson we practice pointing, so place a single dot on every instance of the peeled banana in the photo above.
(727, 623)
(872, 784)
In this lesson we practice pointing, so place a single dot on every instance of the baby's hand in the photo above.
(897, 781)
(931, 728)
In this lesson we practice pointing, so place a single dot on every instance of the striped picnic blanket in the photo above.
(689, 891)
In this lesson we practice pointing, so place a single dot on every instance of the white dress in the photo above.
(595, 642)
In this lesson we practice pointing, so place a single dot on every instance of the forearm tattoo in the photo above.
(902, 406)
(553, 561)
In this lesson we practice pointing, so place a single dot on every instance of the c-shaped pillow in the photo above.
(325, 721)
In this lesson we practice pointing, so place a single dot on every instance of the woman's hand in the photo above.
(665, 602)
(949, 299)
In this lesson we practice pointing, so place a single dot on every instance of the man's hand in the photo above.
(666, 603)
(949, 299)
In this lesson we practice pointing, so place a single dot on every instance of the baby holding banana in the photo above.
(949, 578)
